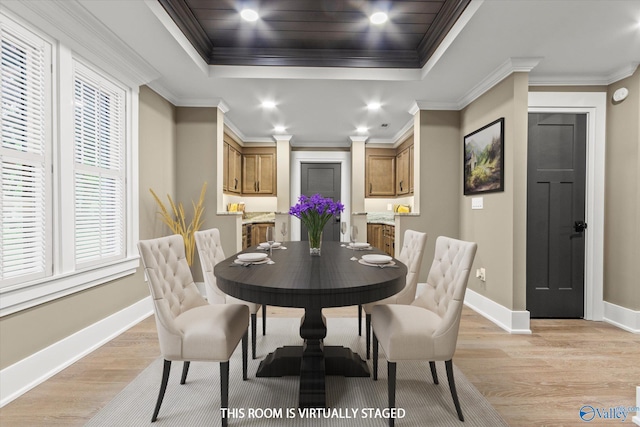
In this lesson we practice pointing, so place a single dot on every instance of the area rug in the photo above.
(273, 401)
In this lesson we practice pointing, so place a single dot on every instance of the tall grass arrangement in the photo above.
(177, 222)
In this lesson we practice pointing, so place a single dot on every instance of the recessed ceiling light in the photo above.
(373, 106)
(378, 18)
(362, 129)
(268, 104)
(249, 15)
(279, 128)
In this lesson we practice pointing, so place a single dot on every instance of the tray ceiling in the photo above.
(316, 33)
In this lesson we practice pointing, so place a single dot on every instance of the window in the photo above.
(67, 196)
(25, 156)
(98, 168)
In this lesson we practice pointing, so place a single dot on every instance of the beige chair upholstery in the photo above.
(211, 253)
(411, 255)
(428, 328)
(190, 329)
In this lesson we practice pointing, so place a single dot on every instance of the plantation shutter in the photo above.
(99, 148)
(24, 190)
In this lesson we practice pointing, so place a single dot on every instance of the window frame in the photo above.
(66, 277)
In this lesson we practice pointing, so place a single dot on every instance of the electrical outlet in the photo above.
(483, 275)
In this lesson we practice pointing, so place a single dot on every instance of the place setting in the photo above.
(251, 258)
(376, 260)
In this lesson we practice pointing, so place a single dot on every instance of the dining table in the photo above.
(294, 278)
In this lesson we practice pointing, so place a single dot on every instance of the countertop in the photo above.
(258, 217)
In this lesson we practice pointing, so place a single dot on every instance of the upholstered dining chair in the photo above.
(427, 329)
(189, 328)
(411, 255)
(211, 253)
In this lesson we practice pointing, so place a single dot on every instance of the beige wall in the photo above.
(622, 200)
(34, 329)
(440, 181)
(500, 228)
(196, 163)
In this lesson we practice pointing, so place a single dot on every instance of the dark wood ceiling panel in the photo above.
(316, 32)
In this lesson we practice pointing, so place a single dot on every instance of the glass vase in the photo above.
(315, 242)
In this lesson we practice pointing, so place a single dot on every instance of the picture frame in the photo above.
(483, 161)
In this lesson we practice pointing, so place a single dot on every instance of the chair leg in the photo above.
(434, 373)
(452, 387)
(264, 320)
(185, 371)
(359, 320)
(375, 357)
(253, 335)
(163, 387)
(224, 391)
(368, 333)
(245, 342)
(392, 389)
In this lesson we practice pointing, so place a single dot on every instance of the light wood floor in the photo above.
(539, 379)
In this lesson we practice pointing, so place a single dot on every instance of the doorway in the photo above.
(323, 179)
(556, 183)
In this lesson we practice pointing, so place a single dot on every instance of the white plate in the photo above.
(265, 245)
(359, 245)
(264, 261)
(252, 257)
(376, 259)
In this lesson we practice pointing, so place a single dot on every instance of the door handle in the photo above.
(579, 226)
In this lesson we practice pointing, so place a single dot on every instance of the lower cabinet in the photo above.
(259, 232)
(382, 236)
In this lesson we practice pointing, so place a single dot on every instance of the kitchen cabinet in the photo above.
(411, 168)
(380, 172)
(259, 232)
(232, 166)
(246, 236)
(382, 236)
(259, 171)
(402, 172)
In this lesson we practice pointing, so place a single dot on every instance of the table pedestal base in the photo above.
(318, 362)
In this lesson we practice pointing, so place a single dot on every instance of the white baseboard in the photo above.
(24, 375)
(514, 322)
(623, 318)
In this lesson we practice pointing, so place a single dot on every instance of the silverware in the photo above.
(387, 266)
(241, 264)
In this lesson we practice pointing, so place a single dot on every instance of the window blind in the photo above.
(23, 157)
(99, 173)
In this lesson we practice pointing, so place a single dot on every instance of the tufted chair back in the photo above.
(411, 255)
(446, 286)
(171, 285)
(211, 253)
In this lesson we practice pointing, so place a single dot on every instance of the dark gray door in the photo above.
(322, 178)
(556, 215)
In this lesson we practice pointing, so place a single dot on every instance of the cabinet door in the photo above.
(402, 176)
(233, 176)
(411, 168)
(374, 236)
(380, 176)
(225, 167)
(249, 173)
(266, 174)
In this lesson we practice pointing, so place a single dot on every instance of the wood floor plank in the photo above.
(538, 379)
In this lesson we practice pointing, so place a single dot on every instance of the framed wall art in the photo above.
(484, 159)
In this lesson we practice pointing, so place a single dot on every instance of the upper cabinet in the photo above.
(248, 170)
(380, 172)
(404, 168)
(232, 161)
(259, 171)
(389, 171)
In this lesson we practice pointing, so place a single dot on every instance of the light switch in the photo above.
(477, 202)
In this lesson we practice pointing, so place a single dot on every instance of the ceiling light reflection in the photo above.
(249, 15)
(378, 18)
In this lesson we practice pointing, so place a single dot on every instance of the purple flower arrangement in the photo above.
(315, 212)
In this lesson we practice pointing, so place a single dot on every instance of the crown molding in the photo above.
(511, 65)
(283, 138)
(433, 105)
(73, 25)
(581, 80)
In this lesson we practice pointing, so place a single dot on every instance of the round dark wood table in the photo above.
(313, 283)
